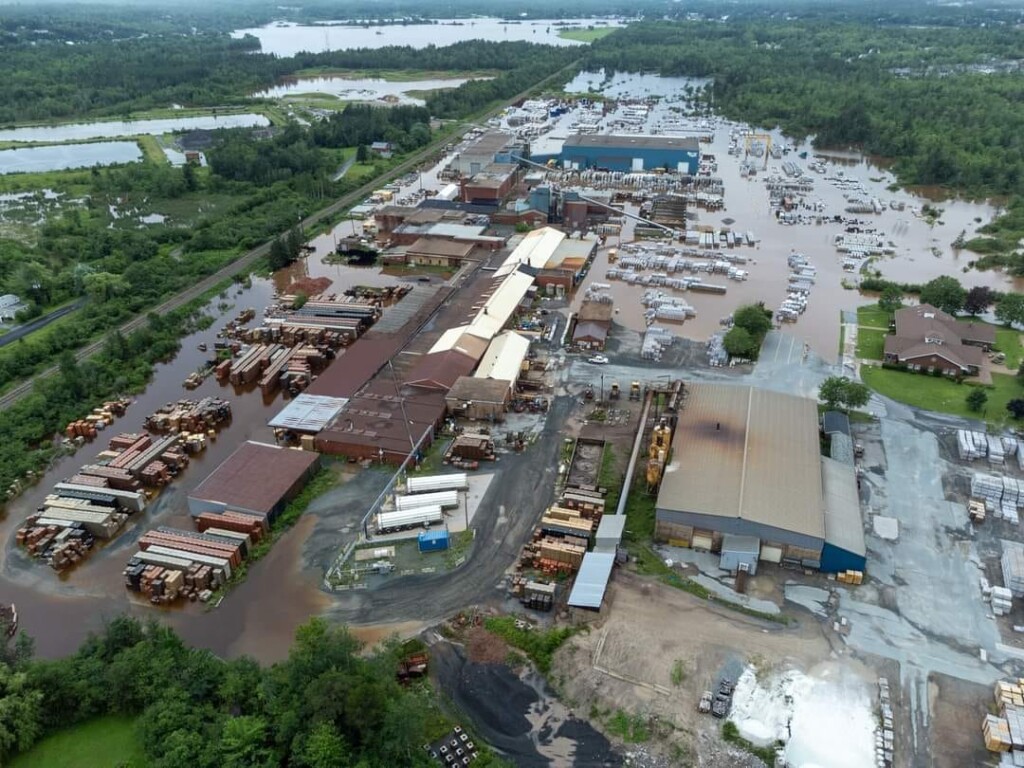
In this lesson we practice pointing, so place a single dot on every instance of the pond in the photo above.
(363, 89)
(64, 156)
(112, 128)
(286, 39)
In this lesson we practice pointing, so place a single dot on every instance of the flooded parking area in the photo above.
(828, 194)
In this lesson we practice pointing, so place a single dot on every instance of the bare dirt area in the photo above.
(954, 743)
(655, 649)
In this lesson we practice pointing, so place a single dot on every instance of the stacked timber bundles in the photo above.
(173, 563)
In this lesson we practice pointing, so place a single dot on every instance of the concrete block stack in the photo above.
(996, 453)
(1004, 732)
(971, 445)
(885, 737)
(1002, 496)
(1002, 601)
(1012, 563)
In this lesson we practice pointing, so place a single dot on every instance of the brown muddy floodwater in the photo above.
(258, 617)
(746, 202)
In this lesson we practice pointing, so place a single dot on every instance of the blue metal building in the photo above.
(631, 153)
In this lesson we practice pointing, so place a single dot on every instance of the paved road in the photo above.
(247, 260)
(40, 322)
(503, 521)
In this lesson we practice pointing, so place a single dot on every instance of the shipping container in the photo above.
(433, 541)
(430, 483)
(391, 521)
(443, 499)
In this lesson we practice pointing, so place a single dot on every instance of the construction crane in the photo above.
(764, 139)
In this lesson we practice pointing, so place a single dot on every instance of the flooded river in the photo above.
(923, 250)
(111, 128)
(362, 89)
(287, 39)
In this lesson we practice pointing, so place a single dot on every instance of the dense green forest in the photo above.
(326, 706)
(856, 84)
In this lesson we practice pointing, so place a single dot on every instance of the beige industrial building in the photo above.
(747, 463)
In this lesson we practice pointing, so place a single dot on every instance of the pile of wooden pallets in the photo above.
(1005, 732)
(855, 578)
(976, 511)
(173, 563)
(190, 416)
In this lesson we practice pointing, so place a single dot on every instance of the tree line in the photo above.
(327, 705)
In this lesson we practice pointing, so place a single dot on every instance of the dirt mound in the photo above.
(484, 647)
(311, 286)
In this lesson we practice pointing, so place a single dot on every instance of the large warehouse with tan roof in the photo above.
(746, 463)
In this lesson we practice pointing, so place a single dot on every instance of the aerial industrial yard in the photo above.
(524, 407)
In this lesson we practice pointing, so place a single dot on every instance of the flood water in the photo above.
(923, 250)
(112, 128)
(287, 39)
(364, 89)
(258, 617)
(66, 156)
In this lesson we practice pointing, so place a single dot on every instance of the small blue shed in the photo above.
(433, 541)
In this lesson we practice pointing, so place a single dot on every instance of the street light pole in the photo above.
(602, 389)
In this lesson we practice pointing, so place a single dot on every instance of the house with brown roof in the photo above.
(929, 339)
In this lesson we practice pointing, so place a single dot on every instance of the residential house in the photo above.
(929, 339)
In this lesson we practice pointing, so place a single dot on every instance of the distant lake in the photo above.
(111, 128)
(365, 89)
(64, 156)
(287, 39)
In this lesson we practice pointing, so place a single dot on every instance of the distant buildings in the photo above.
(10, 305)
(631, 153)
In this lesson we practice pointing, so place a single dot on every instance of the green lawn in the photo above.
(1008, 342)
(105, 742)
(870, 343)
(870, 315)
(586, 35)
(941, 394)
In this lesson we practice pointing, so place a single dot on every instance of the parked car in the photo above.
(598, 360)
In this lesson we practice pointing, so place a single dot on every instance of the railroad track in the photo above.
(244, 262)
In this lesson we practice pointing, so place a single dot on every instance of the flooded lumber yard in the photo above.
(759, 214)
(779, 197)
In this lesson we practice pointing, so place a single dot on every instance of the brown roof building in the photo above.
(475, 398)
(257, 479)
(590, 334)
(438, 252)
(440, 370)
(928, 338)
(384, 423)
